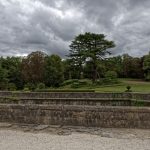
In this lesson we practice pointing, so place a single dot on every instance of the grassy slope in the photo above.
(137, 86)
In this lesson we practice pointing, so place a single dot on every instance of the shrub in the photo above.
(30, 86)
(41, 86)
(26, 89)
(75, 83)
(111, 75)
(128, 89)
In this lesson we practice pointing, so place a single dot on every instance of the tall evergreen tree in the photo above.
(90, 46)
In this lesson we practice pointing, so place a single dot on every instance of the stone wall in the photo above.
(140, 96)
(68, 101)
(93, 99)
(76, 109)
(65, 95)
(90, 116)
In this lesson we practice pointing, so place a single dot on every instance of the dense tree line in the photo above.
(88, 58)
(51, 70)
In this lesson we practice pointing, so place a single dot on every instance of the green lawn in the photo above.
(136, 86)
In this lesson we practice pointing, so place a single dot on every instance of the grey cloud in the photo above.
(50, 25)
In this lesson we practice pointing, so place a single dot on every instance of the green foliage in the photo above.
(109, 81)
(3, 78)
(128, 87)
(138, 103)
(38, 69)
(30, 86)
(68, 82)
(68, 69)
(106, 81)
(26, 89)
(54, 71)
(146, 62)
(32, 67)
(147, 76)
(146, 67)
(41, 86)
(110, 78)
(3, 74)
(75, 83)
(12, 65)
(89, 46)
(114, 64)
(132, 67)
(111, 75)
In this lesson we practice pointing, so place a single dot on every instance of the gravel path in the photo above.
(54, 138)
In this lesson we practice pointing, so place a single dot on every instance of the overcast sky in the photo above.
(50, 25)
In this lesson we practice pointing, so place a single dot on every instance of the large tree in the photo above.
(3, 78)
(13, 67)
(114, 64)
(33, 67)
(132, 67)
(54, 72)
(146, 67)
(90, 46)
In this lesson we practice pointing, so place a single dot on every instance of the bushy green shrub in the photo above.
(110, 77)
(75, 83)
(26, 89)
(41, 86)
(30, 86)
(128, 88)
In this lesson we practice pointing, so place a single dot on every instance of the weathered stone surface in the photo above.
(74, 109)
(5, 125)
(41, 127)
(89, 116)
(142, 96)
(92, 99)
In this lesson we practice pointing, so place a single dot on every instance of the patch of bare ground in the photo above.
(43, 137)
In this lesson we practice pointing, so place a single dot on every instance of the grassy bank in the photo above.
(136, 86)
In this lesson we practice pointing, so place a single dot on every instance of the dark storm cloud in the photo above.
(50, 25)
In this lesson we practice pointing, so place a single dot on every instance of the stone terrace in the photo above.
(119, 110)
